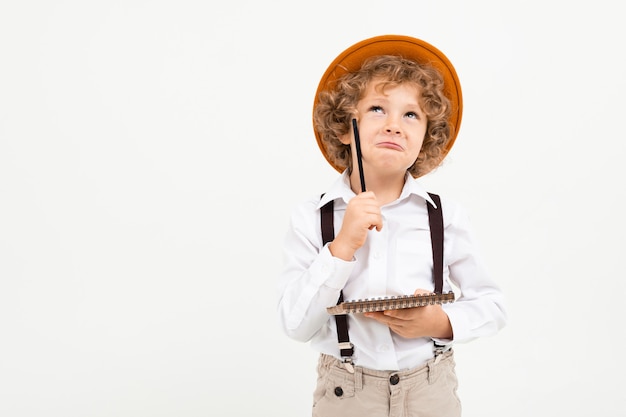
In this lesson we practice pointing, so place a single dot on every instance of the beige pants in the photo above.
(426, 391)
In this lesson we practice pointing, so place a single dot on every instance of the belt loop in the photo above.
(438, 351)
(433, 364)
(358, 378)
(432, 368)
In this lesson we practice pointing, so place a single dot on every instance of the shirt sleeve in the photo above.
(479, 310)
(311, 279)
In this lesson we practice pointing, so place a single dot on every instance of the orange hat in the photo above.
(411, 48)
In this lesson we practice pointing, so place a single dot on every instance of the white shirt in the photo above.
(393, 261)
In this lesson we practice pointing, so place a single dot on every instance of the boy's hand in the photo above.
(427, 321)
(362, 215)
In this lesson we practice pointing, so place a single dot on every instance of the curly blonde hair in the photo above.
(336, 106)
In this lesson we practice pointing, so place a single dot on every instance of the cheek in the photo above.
(419, 143)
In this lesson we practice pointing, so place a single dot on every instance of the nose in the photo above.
(392, 127)
(392, 130)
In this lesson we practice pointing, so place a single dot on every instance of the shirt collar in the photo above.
(340, 190)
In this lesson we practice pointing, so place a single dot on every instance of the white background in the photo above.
(151, 151)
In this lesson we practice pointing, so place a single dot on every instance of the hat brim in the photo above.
(407, 47)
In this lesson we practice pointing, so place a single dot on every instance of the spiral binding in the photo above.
(395, 302)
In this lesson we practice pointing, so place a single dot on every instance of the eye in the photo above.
(376, 109)
(413, 115)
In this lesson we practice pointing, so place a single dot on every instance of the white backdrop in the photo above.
(151, 151)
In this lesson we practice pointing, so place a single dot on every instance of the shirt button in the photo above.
(394, 379)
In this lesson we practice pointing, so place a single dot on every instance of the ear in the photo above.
(346, 139)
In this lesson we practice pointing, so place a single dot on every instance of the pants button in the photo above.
(338, 391)
(394, 379)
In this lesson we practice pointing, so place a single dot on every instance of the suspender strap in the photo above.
(435, 218)
(328, 235)
(328, 228)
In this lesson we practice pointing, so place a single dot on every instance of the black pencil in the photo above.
(357, 143)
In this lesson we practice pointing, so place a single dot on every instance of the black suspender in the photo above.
(328, 234)
(435, 220)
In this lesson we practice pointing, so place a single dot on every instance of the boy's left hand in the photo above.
(427, 321)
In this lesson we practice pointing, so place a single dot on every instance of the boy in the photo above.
(387, 111)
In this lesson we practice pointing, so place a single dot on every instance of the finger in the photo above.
(401, 313)
(378, 316)
(398, 315)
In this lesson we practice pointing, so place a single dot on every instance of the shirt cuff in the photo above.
(460, 325)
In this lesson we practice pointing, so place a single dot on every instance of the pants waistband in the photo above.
(329, 361)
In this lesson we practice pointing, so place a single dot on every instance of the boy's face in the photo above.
(392, 127)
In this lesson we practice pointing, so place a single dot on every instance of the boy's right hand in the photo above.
(362, 215)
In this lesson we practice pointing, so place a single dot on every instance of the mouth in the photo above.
(390, 145)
